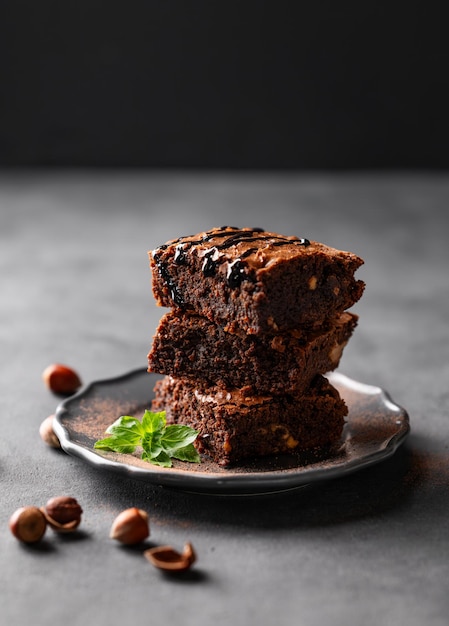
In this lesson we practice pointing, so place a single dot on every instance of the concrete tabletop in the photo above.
(369, 548)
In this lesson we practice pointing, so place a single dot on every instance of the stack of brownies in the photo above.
(256, 319)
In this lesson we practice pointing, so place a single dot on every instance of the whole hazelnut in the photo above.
(28, 524)
(63, 513)
(61, 379)
(47, 433)
(131, 526)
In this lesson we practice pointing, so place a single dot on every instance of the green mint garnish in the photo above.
(160, 443)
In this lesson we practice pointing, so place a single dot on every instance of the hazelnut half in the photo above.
(168, 559)
(28, 524)
(61, 379)
(131, 526)
(62, 513)
(47, 433)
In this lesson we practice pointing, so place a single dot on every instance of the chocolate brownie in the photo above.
(192, 346)
(256, 281)
(233, 426)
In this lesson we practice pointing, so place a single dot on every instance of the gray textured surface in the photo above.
(75, 287)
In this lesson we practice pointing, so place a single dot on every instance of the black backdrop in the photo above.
(246, 84)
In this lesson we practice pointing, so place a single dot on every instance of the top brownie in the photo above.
(252, 280)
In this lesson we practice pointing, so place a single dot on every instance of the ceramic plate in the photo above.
(375, 427)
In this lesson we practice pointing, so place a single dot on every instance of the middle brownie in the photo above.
(189, 345)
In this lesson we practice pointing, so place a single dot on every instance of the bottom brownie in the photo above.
(233, 427)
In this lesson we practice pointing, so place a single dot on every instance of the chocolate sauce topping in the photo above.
(209, 265)
(227, 237)
(175, 294)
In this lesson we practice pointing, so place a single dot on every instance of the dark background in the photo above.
(236, 84)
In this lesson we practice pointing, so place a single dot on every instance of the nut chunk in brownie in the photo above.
(233, 427)
(188, 345)
(256, 281)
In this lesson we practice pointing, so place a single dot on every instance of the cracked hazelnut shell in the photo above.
(168, 559)
(63, 513)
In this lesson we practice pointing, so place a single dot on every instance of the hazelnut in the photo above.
(47, 433)
(28, 524)
(131, 526)
(168, 559)
(63, 513)
(61, 379)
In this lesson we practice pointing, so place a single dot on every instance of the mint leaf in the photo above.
(159, 442)
(115, 444)
(177, 436)
(162, 459)
(126, 425)
(188, 453)
(151, 444)
(153, 422)
(125, 435)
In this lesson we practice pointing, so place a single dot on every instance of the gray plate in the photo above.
(375, 427)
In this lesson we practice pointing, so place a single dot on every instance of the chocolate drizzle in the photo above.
(236, 273)
(237, 270)
(210, 265)
(175, 294)
(180, 256)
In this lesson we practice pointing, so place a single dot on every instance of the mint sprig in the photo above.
(160, 443)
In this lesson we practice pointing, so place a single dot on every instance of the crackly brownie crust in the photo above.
(253, 280)
(192, 346)
(233, 427)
